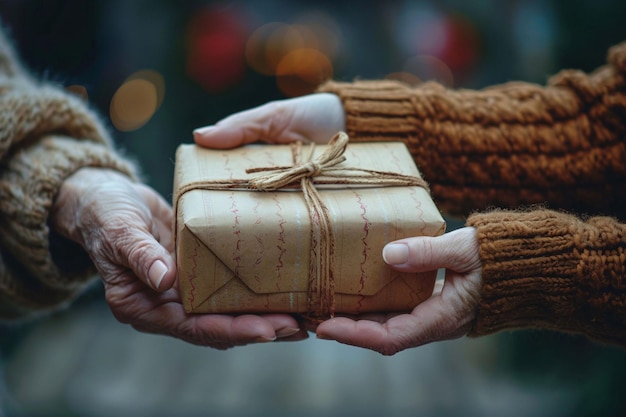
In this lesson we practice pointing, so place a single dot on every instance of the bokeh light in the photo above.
(429, 68)
(300, 55)
(461, 48)
(444, 43)
(420, 29)
(301, 71)
(216, 39)
(326, 30)
(136, 100)
(405, 77)
(271, 42)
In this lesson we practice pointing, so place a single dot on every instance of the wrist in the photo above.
(74, 194)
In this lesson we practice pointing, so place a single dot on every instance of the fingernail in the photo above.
(156, 273)
(264, 339)
(396, 253)
(286, 332)
(203, 130)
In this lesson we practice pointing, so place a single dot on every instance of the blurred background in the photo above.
(157, 69)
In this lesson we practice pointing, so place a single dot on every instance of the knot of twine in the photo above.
(307, 172)
(279, 177)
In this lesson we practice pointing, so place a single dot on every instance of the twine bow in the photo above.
(308, 172)
(302, 168)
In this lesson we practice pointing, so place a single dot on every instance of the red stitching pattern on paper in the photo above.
(259, 241)
(236, 232)
(193, 258)
(366, 248)
(255, 210)
(420, 211)
(281, 240)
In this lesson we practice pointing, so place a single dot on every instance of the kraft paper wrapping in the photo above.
(248, 251)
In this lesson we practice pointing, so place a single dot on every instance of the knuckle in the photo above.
(138, 251)
(123, 244)
(421, 252)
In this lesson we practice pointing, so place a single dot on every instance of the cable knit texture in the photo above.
(46, 134)
(521, 145)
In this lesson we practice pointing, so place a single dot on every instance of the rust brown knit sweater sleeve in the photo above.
(511, 144)
(46, 134)
(546, 269)
(519, 144)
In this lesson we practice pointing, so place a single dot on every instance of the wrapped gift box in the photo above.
(241, 250)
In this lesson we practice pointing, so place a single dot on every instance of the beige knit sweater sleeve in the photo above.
(45, 135)
(515, 145)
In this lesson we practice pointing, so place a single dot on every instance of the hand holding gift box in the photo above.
(279, 228)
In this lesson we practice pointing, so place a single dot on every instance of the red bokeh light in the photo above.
(460, 49)
(216, 39)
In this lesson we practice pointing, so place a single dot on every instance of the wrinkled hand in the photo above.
(126, 228)
(313, 118)
(447, 314)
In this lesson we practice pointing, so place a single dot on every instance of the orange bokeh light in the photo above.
(136, 100)
(301, 71)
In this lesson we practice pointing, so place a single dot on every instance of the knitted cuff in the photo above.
(544, 269)
(376, 110)
(28, 185)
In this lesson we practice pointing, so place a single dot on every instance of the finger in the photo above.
(138, 250)
(239, 330)
(456, 250)
(361, 333)
(286, 327)
(265, 122)
(428, 322)
(152, 263)
(301, 334)
(311, 118)
(212, 329)
(215, 330)
(226, 330)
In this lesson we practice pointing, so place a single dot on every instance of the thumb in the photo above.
(161, 271)
(136, 249)
(149, 261)
(456, 250)
(146, 247)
